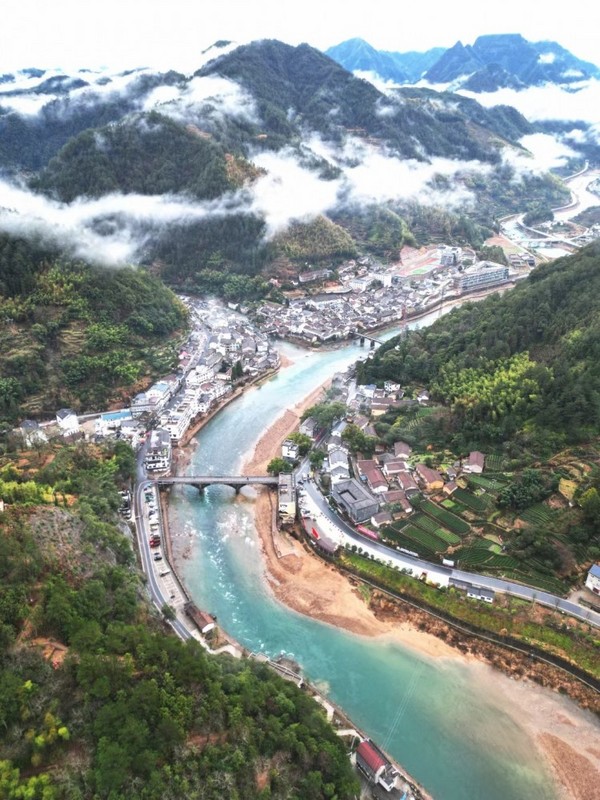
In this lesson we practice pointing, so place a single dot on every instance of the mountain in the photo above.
(492, 62)
(51, 117)
(456, 61)
(521, 367)
(261, 138)
(144, 154)
(491, 78)
(358, 55)
(515, 61)
(296, 87)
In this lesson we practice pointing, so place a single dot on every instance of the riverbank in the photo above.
(303, 582)
(564, 734)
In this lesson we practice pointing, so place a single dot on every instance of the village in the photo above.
(428, 513)
(223, 351)
(362, 296)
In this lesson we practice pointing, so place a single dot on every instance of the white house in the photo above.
(289, 450)
(475, 463)
(67, 421)
(593, 579)
(32, 433)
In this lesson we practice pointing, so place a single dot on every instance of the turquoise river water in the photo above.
(432, 715)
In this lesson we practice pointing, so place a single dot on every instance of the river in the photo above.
(433, 716)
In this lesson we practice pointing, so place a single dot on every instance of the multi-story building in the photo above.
(158, 455)
(480, 278)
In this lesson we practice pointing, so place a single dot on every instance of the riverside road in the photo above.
(402, 560)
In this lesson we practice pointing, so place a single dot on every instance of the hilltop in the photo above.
(518, 367)
(491, 62)
(262, 138)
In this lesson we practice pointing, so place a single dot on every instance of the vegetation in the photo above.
(97, 700)
(325, 414)
(148, 154)
(319, 240)
(279, 465)
(520, 367)
(76, 335)
(519, 619)
(358, 441)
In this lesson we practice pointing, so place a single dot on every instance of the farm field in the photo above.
(446, 518)
(539, 514)
(492, 484)
(432, 526)
(400, 539)
(480, 504)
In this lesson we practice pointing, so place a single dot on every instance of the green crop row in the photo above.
(448, 520)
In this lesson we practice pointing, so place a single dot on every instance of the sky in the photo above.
(71, 34)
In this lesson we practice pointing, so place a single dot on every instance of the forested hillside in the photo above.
(145, 154)
(250, 134)
(280, 78)
(29, 141)
(523, 366)
(75, 335)
(98, 699)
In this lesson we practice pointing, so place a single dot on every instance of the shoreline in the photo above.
(439, 305)
(310, 586)
(301, 581)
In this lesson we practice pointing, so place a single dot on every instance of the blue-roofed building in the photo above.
(111, 421)
(593, 579)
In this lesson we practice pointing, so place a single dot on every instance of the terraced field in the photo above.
(398, 537)
(446, 518)
(489, 483)
(430, 540)
(540, 515)
(432, 526)
(480, 503)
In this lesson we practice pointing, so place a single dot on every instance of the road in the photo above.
(161, 588)
(438, 572)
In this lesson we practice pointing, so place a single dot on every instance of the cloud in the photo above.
(289, 192)
(111, 230)
(367, 174)
(383, 84)
(28, 105)
(545, 152)
(546, 58)
(548, 102)
(225, 97)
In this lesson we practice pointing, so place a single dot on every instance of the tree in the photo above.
(237, 370)
(358, 441)
(590, 505)
(277, 465)
(303, 441)
(325, 414)
(316, 459)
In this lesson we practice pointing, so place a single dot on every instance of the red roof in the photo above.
(370, 756)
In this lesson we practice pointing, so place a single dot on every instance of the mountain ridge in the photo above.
(516, 63)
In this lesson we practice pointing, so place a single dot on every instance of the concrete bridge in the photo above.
(202, 481)
(362, 336)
